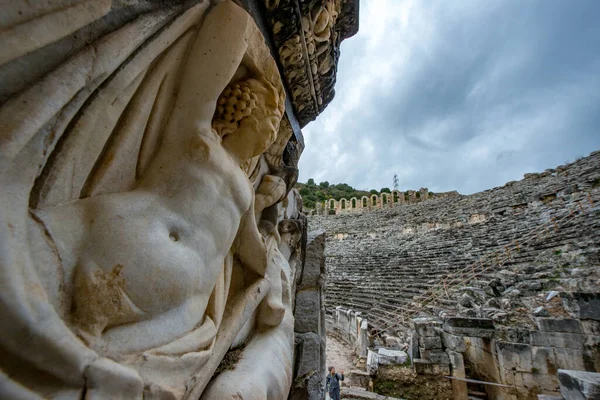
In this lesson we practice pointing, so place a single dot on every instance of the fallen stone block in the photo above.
(549, 397)
(387, 356)
(473, 327)
(393, 342)
(582, 305)
(579, 385)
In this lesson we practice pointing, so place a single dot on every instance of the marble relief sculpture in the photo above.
(132, 258)
(150, 237)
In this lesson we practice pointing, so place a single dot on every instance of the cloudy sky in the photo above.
(460, 95)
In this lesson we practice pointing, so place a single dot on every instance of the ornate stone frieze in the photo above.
(308, 36)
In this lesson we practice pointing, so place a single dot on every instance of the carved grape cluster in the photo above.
(235, 103)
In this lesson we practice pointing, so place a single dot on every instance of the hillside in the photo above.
(313, 193)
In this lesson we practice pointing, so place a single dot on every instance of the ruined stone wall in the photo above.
(379, 201)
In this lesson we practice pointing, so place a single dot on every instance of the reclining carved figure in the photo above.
(141, 292)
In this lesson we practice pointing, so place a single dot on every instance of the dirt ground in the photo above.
(340, 356)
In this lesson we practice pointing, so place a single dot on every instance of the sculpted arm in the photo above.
(195, 105)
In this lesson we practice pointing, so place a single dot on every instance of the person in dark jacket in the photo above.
(333, 383)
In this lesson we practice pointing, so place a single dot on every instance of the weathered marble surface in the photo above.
(148, 224)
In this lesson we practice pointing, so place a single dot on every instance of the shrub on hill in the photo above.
(313, 193)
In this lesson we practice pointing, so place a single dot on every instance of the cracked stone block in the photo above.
(579, 385)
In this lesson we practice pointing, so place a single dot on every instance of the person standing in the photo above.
(333, 383)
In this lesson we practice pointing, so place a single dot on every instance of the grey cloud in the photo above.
(461, 95)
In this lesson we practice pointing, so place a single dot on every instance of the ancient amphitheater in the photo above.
(504, 281)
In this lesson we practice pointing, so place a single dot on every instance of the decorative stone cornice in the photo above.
(307, 35)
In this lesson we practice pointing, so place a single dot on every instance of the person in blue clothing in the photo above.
(333, 383)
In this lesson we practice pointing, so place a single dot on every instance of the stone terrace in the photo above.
(381, 262)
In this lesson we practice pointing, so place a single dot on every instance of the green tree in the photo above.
(385, 190)
(310, 182)
(324, 184)
(373, 191)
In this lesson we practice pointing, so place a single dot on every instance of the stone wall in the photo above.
(309, 325)
(518, 363)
